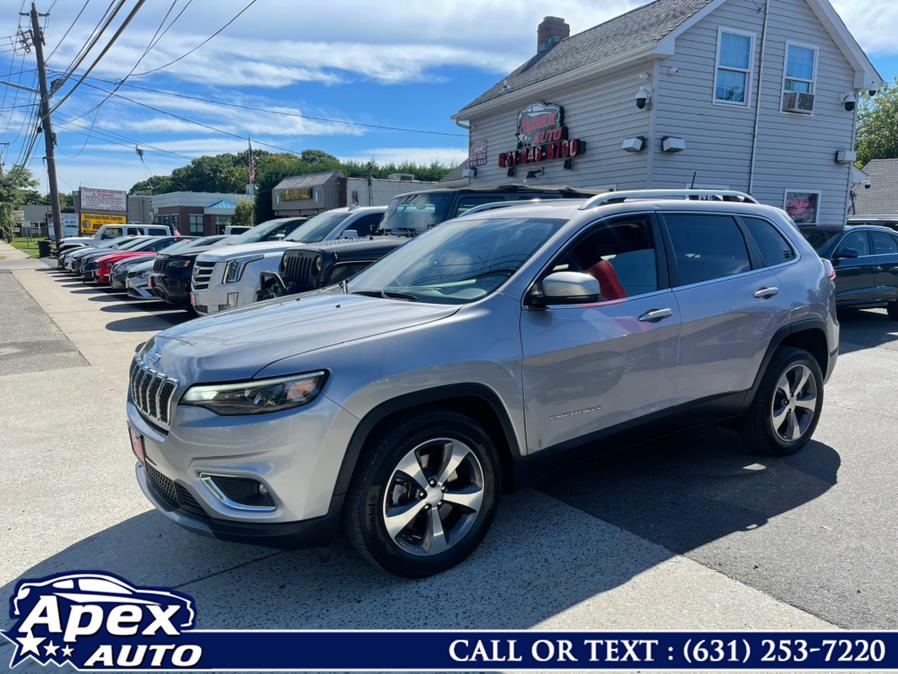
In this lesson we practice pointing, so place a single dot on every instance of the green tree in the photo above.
(877, 125)
(15, 186)
(243, 213)
(152, 185)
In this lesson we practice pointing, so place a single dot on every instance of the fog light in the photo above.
(239, 493)
(232, 299)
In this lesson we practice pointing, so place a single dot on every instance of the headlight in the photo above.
(234, 268)
(256, 397)
(178, 264)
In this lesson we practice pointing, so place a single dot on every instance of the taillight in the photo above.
(830, 270)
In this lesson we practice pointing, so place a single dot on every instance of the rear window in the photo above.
(417, 212)
(773, 245)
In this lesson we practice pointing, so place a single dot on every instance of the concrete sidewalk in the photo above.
(68, 500)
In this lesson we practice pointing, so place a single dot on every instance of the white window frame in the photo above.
(813, 82)
(819, 194)
(749, 74)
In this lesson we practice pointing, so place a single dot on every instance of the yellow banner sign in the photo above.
(91, 222)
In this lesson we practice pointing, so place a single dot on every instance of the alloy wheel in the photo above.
(433, 496)
(794, 403)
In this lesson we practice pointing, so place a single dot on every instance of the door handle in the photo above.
(655, 315)
(766, 293)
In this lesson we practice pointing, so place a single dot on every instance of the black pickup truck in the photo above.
(323, 264)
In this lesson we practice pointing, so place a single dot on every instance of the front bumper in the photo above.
(173, 289)
(284, 535)
(138, 289)
(296, 454)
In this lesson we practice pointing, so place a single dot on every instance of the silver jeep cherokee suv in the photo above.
(402, 403)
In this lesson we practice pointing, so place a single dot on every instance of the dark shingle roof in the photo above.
(882, 197)
(630, 32)
(456, 174)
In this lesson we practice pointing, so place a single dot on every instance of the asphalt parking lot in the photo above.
(690, 532)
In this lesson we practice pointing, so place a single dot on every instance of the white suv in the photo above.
(228, 277)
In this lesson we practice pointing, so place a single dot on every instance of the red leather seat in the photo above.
(609, 285)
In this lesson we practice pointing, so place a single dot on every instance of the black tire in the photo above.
(892, 309)
(759, 428)
(364, 512)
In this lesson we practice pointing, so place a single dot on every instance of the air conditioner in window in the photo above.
(795, 101)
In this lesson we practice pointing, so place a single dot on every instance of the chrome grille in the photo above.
(152, 393)
(202, 272)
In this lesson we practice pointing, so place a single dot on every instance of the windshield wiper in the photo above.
(386, 294)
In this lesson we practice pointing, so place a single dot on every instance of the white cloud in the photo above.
(874, 23)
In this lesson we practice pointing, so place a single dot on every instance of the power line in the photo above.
(207, 40)
(112, 137)
(92, 39)
(67, 30)
(282, 113)
(108, 46)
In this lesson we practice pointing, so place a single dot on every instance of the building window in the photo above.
(196, 224)
(801, 69)
(802, 205)
(166, 219)
(732, 77)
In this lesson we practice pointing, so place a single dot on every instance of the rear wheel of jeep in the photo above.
(424, 494)
(787, 404)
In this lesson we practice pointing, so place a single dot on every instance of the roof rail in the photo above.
(493, 205)
(700, 195)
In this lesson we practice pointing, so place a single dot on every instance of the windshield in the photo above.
(456, 263)
(271, 230)
(417, 212)
(179, 244)
(819, 238)
(125, 243)
(319, 227)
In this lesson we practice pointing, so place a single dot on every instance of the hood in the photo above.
(230, 252)
(237, 344)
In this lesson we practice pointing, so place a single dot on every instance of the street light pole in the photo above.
(37, 39)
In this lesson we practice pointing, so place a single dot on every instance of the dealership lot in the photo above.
(690, 532)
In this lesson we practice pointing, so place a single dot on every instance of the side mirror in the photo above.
(349, 234)
(847, 254)
(568, 287)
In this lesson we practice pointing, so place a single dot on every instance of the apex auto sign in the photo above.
(542, 136)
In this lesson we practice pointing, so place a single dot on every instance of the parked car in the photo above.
(172, 269)
(120, 270)
(147, 245)
(107, 232)
(416, 212)
(403, 403)
(148, 249)
(74, 258)
(234, 230)
(228, 276)
(319, 265)
(865, 258)
(136, 281)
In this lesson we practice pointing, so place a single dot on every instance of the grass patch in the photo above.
(27, 246)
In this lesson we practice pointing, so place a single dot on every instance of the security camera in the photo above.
(871, 92)
(643, 96)
(850, 101)
(866, 186)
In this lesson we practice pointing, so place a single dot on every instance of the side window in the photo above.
(732, 77)
(884, 244)
(366, 223)
(468, 201)
(773, 245)
(856, 241)
(112, 233)
(706, 247)
(619, 254)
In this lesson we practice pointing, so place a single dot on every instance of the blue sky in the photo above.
(399, 63)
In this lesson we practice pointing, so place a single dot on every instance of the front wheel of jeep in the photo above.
(424, 495)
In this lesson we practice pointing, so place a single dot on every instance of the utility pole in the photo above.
(37, 39)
